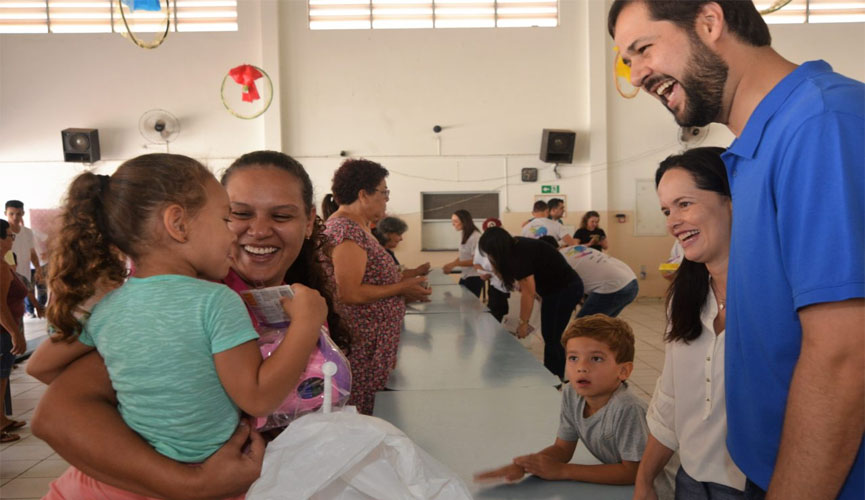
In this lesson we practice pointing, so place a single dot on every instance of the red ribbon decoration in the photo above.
(246, 75)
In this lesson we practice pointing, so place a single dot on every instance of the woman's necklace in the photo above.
(722, 302)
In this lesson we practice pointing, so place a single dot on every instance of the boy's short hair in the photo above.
(614, 332)
(14, 204)
(539, 206)
(555, 202)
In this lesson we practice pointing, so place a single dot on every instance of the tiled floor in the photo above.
(28, 465)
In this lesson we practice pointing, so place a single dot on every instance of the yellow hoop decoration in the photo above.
(131, 36)
(268, 95)
(777, 5)
(621, 70)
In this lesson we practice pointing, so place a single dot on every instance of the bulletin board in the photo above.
(650, 221)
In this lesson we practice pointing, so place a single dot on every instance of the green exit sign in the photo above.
(549, 189)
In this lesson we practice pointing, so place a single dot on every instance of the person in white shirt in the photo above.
(462, 221)
(498, 294)
(610, 283)
(557, 209)
(24, 248)
(688, 409)
(541, 225)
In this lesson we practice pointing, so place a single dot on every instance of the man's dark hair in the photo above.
(741, 16)
(15, 204)
(555, 203)
(540, 206)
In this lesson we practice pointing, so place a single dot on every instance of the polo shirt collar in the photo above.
(746, 144)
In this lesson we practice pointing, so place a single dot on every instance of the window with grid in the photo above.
(103, 16)
(401, 14)
(815, 11)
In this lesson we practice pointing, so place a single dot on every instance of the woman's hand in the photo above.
(422, 270)
(644, 491)
(19, 343)
(307, 304)
(523, 330)
(415, 289)
(447, 268)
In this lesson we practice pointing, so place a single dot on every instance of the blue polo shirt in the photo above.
(797, 175)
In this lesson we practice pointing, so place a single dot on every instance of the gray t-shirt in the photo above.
(615, 433)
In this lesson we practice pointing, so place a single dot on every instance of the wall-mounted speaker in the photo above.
(529, 174)
(80, 145)
(557, 146)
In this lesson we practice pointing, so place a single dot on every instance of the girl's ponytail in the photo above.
(108, 219)
(328, 206)
(83, 255)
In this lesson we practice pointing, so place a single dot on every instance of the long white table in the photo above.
(473, 430)
(452, 298)
(438, 277)
(463, 351)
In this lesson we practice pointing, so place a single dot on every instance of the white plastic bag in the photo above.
(347, 456)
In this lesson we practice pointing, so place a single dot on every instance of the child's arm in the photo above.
(82, 399)
(559, 453)
(259, 387)
(510, 473)
(552, 463)
(52, 357)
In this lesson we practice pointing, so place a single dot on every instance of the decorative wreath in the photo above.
(149, 5)
(246, 75)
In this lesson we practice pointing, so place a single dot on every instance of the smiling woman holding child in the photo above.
(276, 238)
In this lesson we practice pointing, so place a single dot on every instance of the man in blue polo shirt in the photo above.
(795, 349)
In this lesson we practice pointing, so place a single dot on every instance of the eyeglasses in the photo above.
(385, 192)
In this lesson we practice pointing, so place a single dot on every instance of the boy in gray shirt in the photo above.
(597, 408)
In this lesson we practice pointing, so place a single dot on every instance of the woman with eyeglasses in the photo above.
(371, 290)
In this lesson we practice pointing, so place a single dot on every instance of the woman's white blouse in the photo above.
(467, 252)
(688, 410)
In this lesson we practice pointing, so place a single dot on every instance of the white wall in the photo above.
(55, 81)
(375, 94)
(378, 94)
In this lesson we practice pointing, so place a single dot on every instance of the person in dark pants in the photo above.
(498, 295)
(536, 268)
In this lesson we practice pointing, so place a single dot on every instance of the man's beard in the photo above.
(703, 84)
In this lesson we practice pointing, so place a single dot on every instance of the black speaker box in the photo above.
(557, 146)
(80, 145)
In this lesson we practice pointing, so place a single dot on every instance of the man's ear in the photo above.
(710, 23)
(625, 370)
(174, 222)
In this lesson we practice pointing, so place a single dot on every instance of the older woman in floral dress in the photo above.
(371, 290)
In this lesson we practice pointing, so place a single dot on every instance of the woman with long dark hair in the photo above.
(470, 234)
(688, 408)
(279, 240)
(534, 267)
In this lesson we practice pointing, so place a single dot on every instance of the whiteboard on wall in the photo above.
(650, 219)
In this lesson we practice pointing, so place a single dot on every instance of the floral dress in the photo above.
(375, 327)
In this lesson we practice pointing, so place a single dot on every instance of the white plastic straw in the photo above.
(329, 369)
